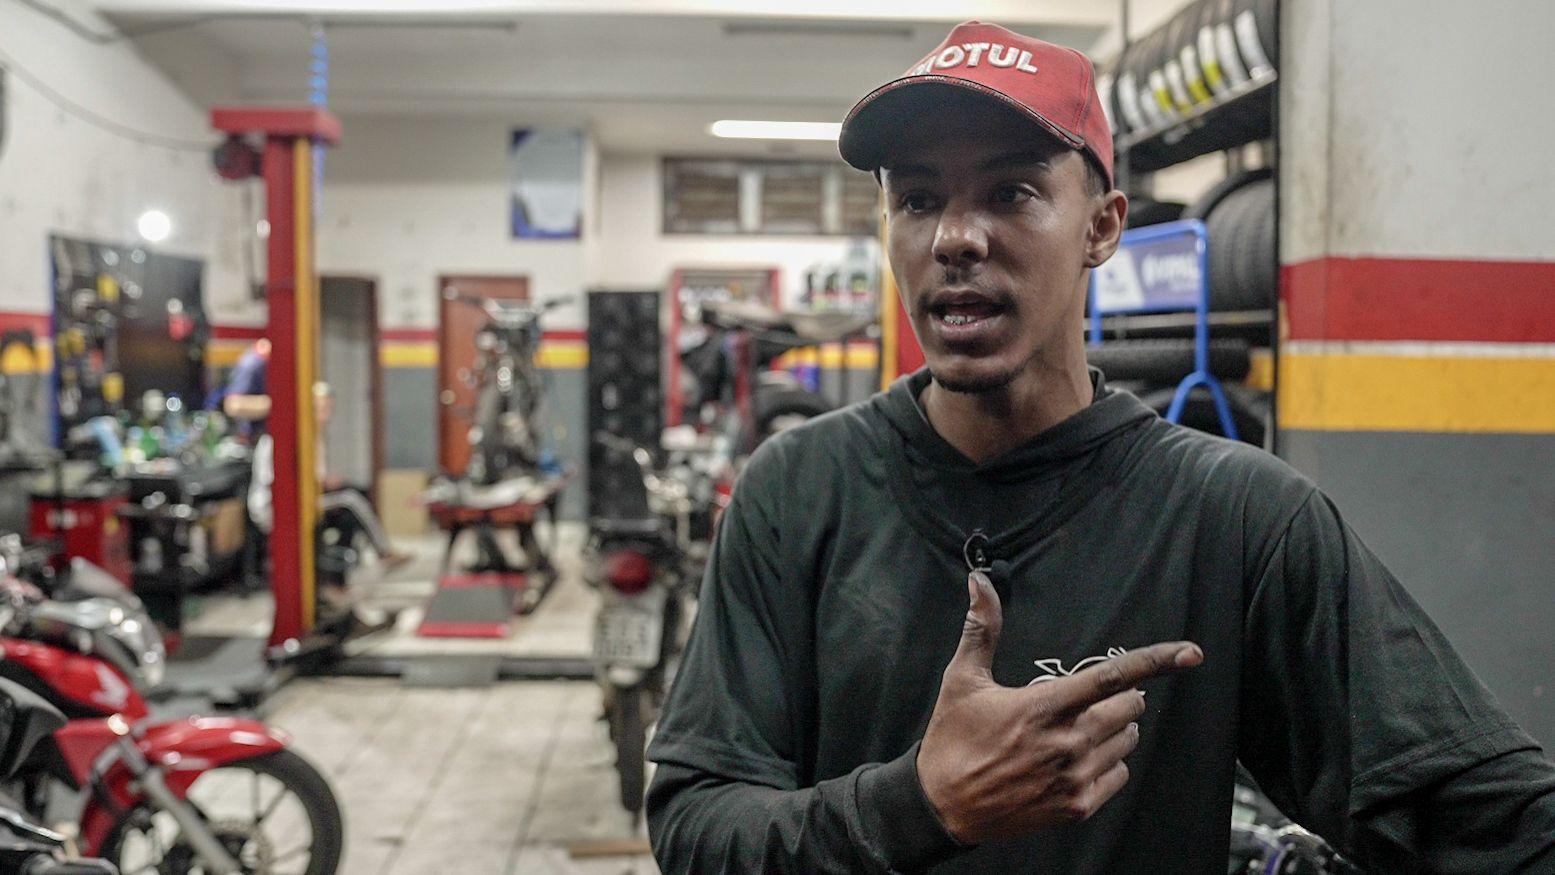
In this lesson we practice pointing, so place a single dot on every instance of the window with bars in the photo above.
(706, 196)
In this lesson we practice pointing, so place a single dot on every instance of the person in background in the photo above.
(345, 506)
(341, 506)
(244, 398)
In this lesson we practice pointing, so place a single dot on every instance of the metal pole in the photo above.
(1120, 168)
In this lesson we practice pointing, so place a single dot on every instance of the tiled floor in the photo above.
(497, 780)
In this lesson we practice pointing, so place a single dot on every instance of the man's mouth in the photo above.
(958, 309)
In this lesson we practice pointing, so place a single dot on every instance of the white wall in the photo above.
(61, 175)
(408, 199)
(634, 253)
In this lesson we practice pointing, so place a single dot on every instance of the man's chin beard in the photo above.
(975, 385)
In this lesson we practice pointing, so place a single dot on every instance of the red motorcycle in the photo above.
(197, 796)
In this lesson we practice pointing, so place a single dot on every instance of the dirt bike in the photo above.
(646, 570)
(504, 435)
(208, 795)
(725, 365)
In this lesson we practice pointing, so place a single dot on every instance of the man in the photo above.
(845, 705)
(245, 399)
(343, 507)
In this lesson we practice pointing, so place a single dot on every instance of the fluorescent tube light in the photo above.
(755, 130)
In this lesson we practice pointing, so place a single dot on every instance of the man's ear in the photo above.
(1106, 227)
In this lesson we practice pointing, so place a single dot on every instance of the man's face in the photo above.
(990, 233)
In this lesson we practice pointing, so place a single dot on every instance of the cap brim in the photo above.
(875, 123)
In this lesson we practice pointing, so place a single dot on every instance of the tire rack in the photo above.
(1238, 113)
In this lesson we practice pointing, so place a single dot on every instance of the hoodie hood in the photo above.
(1014, 499)
(1109, 413)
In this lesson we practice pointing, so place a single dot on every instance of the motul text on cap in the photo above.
(1052, 85)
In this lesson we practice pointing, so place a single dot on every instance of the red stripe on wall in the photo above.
(37, 323)
(398, 335)
(1420, 299)
(237, 332)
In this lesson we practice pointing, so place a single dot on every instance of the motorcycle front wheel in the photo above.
(274, 813)
(629, 729)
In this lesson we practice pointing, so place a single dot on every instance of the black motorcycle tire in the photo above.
(1199, 413)
(298, 776)
(629, 729)
(777, 405)
(1167, 360)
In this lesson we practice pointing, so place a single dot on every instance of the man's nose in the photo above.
(960, 240)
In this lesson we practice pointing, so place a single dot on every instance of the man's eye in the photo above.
(1011, 194)
(917, 202)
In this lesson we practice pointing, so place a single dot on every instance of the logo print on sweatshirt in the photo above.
(1053, 669)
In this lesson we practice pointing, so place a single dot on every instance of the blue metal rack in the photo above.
(1183, 241)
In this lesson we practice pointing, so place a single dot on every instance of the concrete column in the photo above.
(1417, 363)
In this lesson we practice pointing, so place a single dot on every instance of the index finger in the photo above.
(1083, 689)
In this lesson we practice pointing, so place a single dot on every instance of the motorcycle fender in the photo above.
(184, 749)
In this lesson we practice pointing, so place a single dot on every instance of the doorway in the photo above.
(457, 323)
(348, 362)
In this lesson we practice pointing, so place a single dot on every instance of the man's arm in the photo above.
(726, 796)
(248, 408)
(1363, 724)
(873, 820)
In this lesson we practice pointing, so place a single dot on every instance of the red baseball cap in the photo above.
(1052, 85)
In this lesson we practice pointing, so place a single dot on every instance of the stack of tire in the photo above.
(1238, 214)
(1204, 55)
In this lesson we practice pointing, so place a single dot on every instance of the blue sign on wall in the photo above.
(1156, 269)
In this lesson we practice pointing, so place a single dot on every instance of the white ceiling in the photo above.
(644, 75)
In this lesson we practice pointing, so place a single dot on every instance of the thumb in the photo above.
(984, 621)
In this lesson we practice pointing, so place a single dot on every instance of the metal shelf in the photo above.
(1242, 115)
(1235, 322)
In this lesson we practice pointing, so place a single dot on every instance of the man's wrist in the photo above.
(899, 818)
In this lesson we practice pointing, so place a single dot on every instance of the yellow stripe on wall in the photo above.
(860, 357)
(1463, 394)
(560, 354)
(571, 354)
(225, 353)
(412, 354)
(17, 361)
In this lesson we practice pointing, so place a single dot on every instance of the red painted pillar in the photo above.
(291, 295)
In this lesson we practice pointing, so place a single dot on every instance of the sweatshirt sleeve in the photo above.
(1361, 723)
(730, 793)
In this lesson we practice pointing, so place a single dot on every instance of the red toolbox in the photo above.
(85, 522)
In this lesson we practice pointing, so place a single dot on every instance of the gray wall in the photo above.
(1467, 524)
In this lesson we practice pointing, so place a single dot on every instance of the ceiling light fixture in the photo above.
(760, 130)
(154, 226)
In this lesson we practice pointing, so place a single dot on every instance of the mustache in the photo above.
(958, 277)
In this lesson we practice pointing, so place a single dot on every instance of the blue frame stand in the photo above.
(1135, 287)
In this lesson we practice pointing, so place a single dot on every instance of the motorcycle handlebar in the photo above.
(498, 309)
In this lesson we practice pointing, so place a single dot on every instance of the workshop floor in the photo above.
(512, 778)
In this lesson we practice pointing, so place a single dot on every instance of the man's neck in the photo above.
(986, 425)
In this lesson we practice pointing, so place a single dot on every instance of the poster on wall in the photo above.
(545, 172)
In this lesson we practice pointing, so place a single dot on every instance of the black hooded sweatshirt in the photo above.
(835, 598)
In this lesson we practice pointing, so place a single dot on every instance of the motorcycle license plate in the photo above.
(628, 630)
